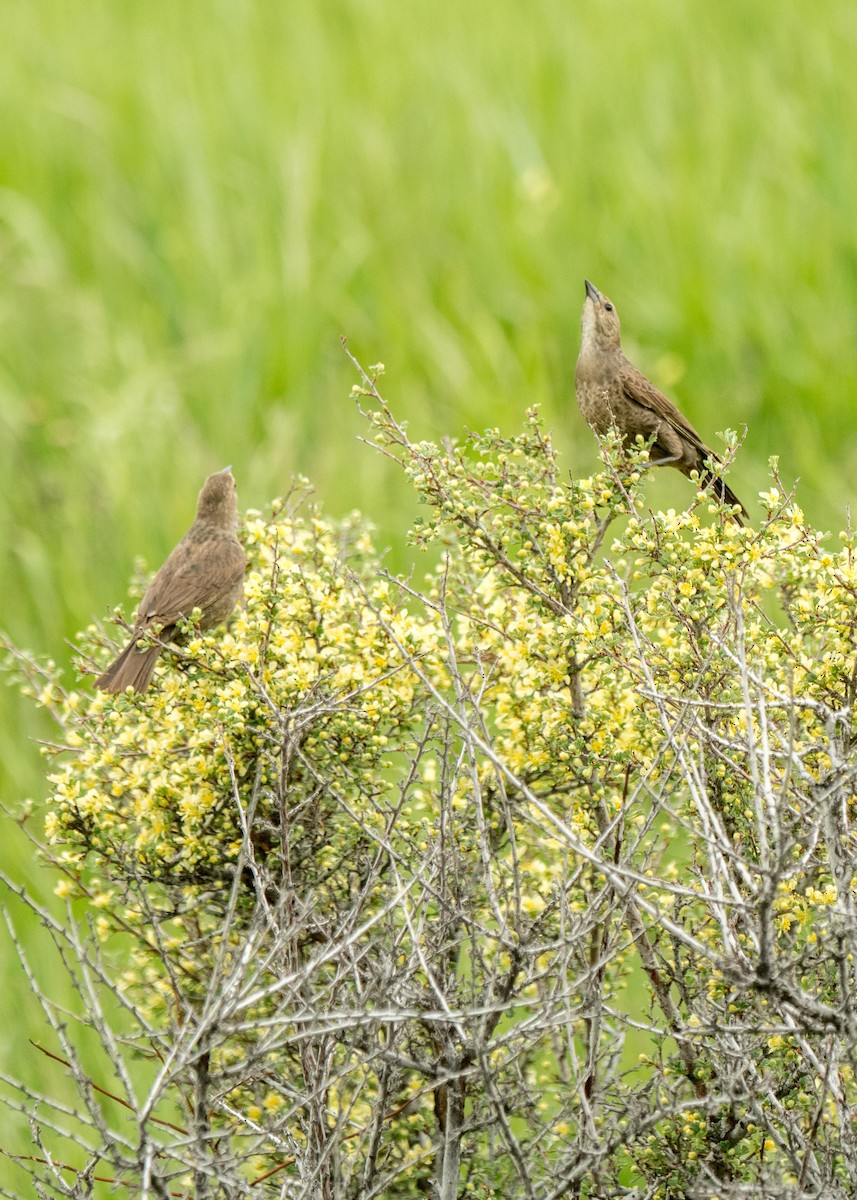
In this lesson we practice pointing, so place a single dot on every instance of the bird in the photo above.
(611, 392)
(205, 571)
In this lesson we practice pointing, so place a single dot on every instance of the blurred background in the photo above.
(197, 200)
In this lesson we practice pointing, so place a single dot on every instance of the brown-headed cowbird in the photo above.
(612, 392)
(205, 571)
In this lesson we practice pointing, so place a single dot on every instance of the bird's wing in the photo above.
(641, 391)
(187, 581)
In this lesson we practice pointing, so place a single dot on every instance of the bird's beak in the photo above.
(227, 470)
(592, 291)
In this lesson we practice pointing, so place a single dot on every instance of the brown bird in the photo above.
(612, 392)
(205, 571)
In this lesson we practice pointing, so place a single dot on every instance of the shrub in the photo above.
(532, 878)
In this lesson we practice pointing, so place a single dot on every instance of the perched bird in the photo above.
(205, 571)
(612, 392)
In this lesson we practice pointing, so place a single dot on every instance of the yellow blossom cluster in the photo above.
(317, 659)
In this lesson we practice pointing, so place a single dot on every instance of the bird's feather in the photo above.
(638, 388)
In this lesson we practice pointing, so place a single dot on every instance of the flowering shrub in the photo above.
(533, 878)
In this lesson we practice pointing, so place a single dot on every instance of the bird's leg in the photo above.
(661, 462)
(662, 448)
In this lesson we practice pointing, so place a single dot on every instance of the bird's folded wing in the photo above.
(191, 584)
(640, 390)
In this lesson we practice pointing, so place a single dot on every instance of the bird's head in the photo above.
(218, 500)
(599, 322)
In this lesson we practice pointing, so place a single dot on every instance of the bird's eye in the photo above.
(608, 307)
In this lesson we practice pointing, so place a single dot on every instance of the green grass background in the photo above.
(198, 199)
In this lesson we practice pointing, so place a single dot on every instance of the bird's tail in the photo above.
(725, 495)
(132, 668)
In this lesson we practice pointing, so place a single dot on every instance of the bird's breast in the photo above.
(595, 398)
